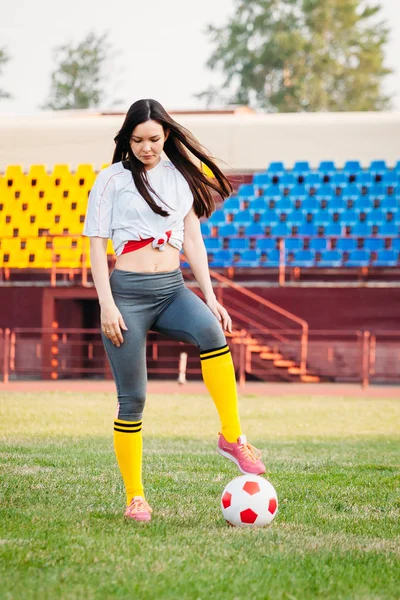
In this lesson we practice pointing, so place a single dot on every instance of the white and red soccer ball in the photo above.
(249, 501)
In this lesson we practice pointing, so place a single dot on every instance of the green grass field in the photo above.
(333, 461)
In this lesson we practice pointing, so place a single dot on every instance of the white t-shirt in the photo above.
(116, 210)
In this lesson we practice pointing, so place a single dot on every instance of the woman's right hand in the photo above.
(112, 323)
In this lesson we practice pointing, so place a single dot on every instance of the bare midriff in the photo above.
(149, 260)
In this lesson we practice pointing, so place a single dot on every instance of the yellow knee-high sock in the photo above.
(128, 447)
(219, 377)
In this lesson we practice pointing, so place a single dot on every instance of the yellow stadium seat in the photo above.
(37, 173)
(105, 165)
(42, 259)
(110, 248)
(62, 176)
(85, 176)
(14, 174)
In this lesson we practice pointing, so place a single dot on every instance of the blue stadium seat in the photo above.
(361, 229)
(284, 204)
(273, 192)
(299, 192)
(397, 167)
(308, 230)
(272, 259)
(294, 243)
(243, 217)
(276, 168)
(386, 258)
(318, 244)
(350, 192)
(312, 180)
(323, 217)
(390, 179)
(222, 258)
(374, 244)
(377, 191)
(266, 244)
(377, 167)
(249, 258)
(333, 230)
(261, 179)
(205, 228)
(217, 218)
(339, 180)
(346, 244)
(232, 203)
(349, 217)
(358, 258)
(325, 192)
(375, 216)
(330, 258)
(269, 217)
(239, 243)
(352, 167)
(336, 204)
(246, 190)
(254, 229)
(287, 180)
(389, 230)
(310, 204)
(301, 167)
(295, 217)
(303, 258)
(281, 230)
(362, 204)
(364, 179)
(327, 167)
(227, 230)
(258, 204)
(213, 244)
(396, 244)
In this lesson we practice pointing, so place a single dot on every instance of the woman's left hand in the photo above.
(221, 313)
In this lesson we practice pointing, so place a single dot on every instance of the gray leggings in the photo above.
(160, 302)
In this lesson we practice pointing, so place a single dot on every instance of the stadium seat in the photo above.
(375, 216)
(276, 168)
(249, 258)
(350, 192)
(293, 244)
(386, 258)
(217, 218)
(318, 244)
(336, 204)
(269, 217)
(295, 217)
(284, 204)
(14, 174)
(266, 244)
(281, 230)
(361, 229)
(349, 217)
(254, 229)
(258, 204)
(389, 229)
(213, 244)
(374, 244)
(272, 259)
(339, 180)
(333, 230)
(377, 191)
(325, 192)
(303, 258)
(222, 258)
(246, 190)
(377, 167)
(243, 217)
(232, 203)
(272, 192)
(205, 228)
(396, 244)
(301, 167)
(364, 179)
(362, 204)
(323, 217)
(310, 204)
(327, 168)
(390, 179)
(227, 229)
(239, 243)
(287, 180)
(308, 229)
(358, 258)
(330, 259)
(352, 167)
(299, 192)
(346, 244)
(261, 180)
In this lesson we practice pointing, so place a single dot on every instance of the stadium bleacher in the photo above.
(327, 217)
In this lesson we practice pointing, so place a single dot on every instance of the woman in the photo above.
(148, 206)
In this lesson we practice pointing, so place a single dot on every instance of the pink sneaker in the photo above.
(138, 510)
(243, 454)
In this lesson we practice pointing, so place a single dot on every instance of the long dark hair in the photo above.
(176, 147)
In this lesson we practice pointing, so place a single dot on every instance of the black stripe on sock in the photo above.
(214, 349)
(138, 424)
(215, 355)
(128, 430)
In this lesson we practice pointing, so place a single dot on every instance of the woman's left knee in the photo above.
(212, 337)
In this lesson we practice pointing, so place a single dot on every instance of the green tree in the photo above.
(79, 78)
(301, 55)
(4, 58)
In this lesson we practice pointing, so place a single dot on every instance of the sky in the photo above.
(161, 47)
